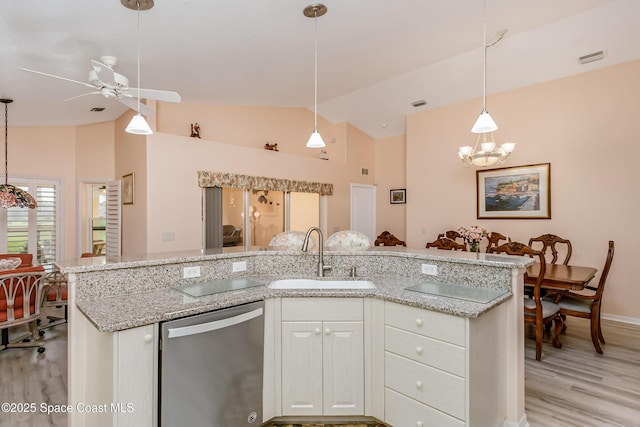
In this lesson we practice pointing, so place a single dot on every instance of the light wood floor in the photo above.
(571, 386)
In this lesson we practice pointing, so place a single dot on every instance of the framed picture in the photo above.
(127, 189)
(515, 192)
(398, 196)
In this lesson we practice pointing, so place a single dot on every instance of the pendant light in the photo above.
(12, 196)
(484, 152)
(138, 125)
(314, 11)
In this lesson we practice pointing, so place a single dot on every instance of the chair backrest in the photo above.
(348, 239)
(453, 235)
(495, 238)
(57, 289)
(447, 244)
(292, 240)
(387, 239)
(517, 248)
(549, 242)
(20, 297)
(605, 271)
(26, 259)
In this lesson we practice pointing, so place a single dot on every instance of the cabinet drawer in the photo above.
(336, 309)
(441, 326)
(404, 412)
(439, 354)
(436, 388)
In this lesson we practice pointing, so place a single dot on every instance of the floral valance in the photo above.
(234, 180)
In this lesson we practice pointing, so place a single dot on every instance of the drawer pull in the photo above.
(327, 331)
(419, 424)
(419, 322)
(419, 385)
(316, 331)
(419, 350)
(148, 338)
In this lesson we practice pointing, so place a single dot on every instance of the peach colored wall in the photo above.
(95, 151)
(585, 126)
(131, 157)
(391, 159)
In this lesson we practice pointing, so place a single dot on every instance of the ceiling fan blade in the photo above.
(133, 104)
(105, 73)
(158, 95)
(58, 77)
(82, 95)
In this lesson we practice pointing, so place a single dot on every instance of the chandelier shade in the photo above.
(485, 152)
(10, 195)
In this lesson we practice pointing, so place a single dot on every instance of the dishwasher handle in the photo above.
(213, 326)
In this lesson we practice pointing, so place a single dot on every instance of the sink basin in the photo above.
(320, 284)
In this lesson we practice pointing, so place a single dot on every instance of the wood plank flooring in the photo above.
(571, 386)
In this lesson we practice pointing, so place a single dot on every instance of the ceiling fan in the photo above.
(106, 82)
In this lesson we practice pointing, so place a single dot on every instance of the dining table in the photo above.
(560, 276)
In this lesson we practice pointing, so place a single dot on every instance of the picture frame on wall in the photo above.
(518, 192)
(127, 189)
(398, 196)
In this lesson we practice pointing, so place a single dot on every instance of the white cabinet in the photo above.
(441, 369)
(322, 363)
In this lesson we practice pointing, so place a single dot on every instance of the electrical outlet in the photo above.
(239, 266)
(430, 269)
(189, 272)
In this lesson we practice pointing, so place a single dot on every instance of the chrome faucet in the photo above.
(305, 245)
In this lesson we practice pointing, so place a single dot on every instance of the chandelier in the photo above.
(12, 196)
(314, 11)
(485, 151)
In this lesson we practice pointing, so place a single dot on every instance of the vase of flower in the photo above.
(472, 236)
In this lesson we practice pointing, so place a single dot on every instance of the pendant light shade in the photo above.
(484, 124)
(314, 11)
(10, 195)
(138, 125)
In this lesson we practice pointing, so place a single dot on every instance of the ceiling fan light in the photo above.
(484, 124)
(138, 126)
(315, 140)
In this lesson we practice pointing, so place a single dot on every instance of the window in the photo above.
(36, 231)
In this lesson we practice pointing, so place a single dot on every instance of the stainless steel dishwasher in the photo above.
(211, 368)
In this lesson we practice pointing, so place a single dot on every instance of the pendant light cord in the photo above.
(6, 144)
(315, 73)
(484, 48)
(138, 4)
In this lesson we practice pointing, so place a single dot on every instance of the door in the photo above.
(363, 209)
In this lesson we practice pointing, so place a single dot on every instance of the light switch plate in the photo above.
(190, 272)
(430, 269)
(239, 266)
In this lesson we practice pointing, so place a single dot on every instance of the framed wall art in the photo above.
(398, 196)
(518, 192)
(127, 189)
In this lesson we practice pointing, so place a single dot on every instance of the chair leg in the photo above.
(539, 333)
(600, 336)
(559, 326)
(594, 332)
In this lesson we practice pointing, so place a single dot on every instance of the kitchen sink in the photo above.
(320, 284)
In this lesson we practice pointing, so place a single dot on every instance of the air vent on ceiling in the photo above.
(97, 109)
(419, 103)
(595, 56)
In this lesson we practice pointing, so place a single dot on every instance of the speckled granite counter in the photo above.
(126, 293)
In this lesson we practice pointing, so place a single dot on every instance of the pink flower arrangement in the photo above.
(473, 235)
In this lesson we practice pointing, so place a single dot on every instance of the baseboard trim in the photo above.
(522, 423)
(622, 319)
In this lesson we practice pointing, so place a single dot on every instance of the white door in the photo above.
(363, 209)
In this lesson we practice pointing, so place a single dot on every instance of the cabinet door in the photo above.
(343, 379)
(301, 368)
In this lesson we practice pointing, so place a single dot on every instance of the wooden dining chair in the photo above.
(495, 238)
(536, 311)
(550, 244)
(447, 244)
(387, 239)
(453, 235)
(588, 306)
(20, 302)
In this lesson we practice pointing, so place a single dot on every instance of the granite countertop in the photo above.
(123, 312)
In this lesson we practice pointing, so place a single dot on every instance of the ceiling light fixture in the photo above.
(484, 152)
(138, 125)
(314, 11)
(12, 196)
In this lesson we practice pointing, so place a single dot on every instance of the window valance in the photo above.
(234, 180)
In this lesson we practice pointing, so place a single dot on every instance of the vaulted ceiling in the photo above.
(375, 57)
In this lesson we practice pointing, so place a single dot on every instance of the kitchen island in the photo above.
(115, 307)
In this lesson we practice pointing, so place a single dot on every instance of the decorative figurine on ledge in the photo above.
(195, 130)
(272, 147)
(324, 155)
